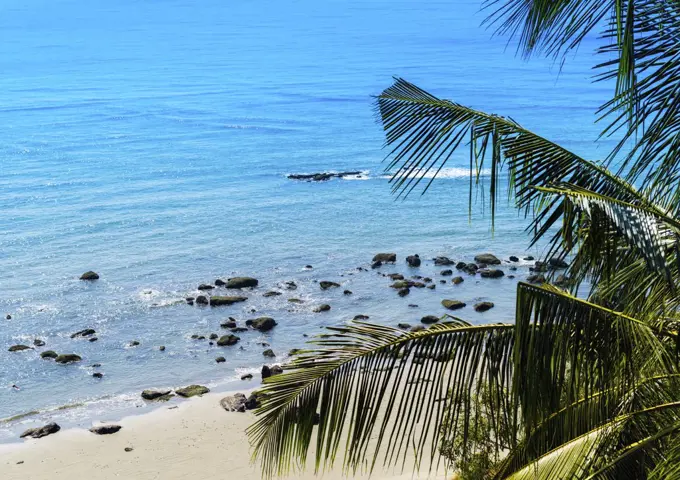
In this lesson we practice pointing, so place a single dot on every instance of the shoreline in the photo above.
(197, 437)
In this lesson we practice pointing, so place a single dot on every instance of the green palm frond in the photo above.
(367, 379)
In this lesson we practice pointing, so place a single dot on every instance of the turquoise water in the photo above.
(150, 141)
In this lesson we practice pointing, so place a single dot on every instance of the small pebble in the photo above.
(128, 449)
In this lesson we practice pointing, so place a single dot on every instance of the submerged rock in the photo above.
(263, 324)
(453, 304)
(205, 286)
(396, 276)
(19, 348)
(227, 340)
(325, 285)
(229, 324)
(272, 294)
(322, 308)
(67, 358)
(269, 353)
(105, 429)
(483, 306)
(89, 276)
(38, 342)
(83, 333)
(403, 292)
(161, 395)
(220, 283)
(220, 300)
(192, 391)
(40, 432)
(385, 257)
(241, 282)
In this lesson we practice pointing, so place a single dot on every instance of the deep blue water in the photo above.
(149, 141)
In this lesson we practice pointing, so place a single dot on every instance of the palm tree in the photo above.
(581, 385)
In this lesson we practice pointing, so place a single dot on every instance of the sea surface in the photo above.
(150, 142)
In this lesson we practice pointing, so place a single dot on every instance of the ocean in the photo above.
(150, 142)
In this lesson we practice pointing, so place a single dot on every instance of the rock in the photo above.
(105, 429)
(220, 360)
(83, 333)
(321, 177)
(268, 371)
(412, 305)
(308, 267)
(536, 279)
(269, 353)
(514, 258)
(487, 258)
(483, 306)
(413, 260)
(38, 343)
(429, 319)
(347, 292)
(290, 285)
(561, 280)
(404, 326)
(128, 449)
(556, 262)
(213, 336)
(361, 317)
(92, 339)
(322, 308)
(446, 273)
(539, 267)
(529, 258)
(272, 294)
(385, 257)
(227, 340)
(98, 375)
(403, 292)
(443, 261)
(49, 354)
(219, 300)
(461, 266)
(234, 403)
(135, 343)
(202, 300)
(432, 287)
(442, 281)
(295, 300)
(491, 273)
(513, 268)
(89, 276)
(8, 317)
(247, 376)
(396, 276)
(401, 284)
(263, 324)
(241, 282)
(457, 280)
(205, 286)
(192, 391)
(511, 276)
(19, 348)
(67, 358)
(471, 268)
(453, 304)
(417, 328)
(220, 283)
(376, 265)
(40, 432)
(252, 402)
(161, 395)
(161, 348)
(325, 285)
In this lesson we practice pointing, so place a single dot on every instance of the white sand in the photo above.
(197, 440)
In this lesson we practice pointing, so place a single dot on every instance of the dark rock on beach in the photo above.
(453, 304)
(483, 306)
(219, 300)
(67, 358)
(413, 260)
(234, 403)
(268, 371)
(89, 276)
(19, 348)
(241, 282)
(40, 432)
(161, 395)
(192, 391)
(105, 429)
(487, 258)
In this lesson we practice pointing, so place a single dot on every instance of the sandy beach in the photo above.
(196, 439)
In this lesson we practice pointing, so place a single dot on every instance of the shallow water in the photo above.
(150, 142)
